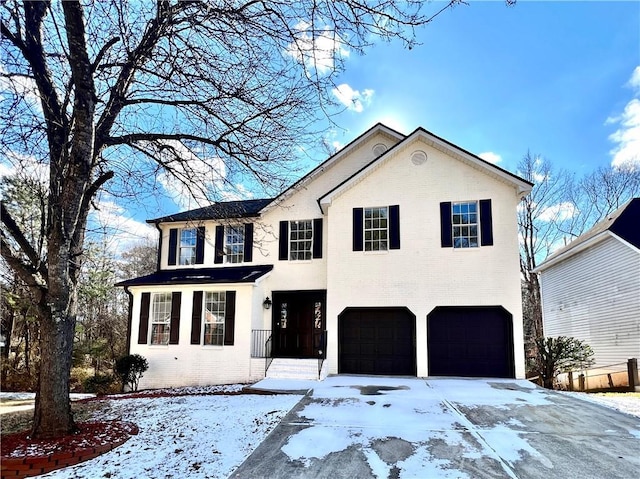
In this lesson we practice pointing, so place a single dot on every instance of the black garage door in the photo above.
(377, 341)
(470, 341)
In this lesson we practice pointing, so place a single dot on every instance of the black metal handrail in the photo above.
(260, 343)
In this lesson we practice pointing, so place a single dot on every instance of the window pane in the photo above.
(300, 240)
(187, 246)
(465, 215)
(234, 247)
(213, 317)
(160, 318)
(375, 230)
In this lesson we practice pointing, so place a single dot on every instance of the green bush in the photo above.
(559, 355)
(99, 384)
(130, 369)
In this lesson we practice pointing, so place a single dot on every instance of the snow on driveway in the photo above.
(380, 427)
(394, 427)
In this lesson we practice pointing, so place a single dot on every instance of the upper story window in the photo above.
(214, 314)
(464, 220)
(466, 224)
(160, 318)
(187, 253)
(376, 232)
(234, 244)
(376, 229)
(186, 246)
(301, 240)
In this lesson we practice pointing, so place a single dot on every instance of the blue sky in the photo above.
(550, 77)
(558, 79)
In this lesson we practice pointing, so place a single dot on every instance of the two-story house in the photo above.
(398, 256)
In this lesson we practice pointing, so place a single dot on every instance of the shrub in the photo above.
(100, 384)
(130, 369)
(559, 355)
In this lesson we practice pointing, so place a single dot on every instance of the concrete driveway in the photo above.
(378, 427)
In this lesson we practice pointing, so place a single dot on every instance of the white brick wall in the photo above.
(421, 275)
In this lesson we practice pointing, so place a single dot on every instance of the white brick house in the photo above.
(398, 255)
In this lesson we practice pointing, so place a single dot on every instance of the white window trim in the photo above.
(310, 251)
(477, 225)
(204, 323)
(180, 247)
(152, 321)
(241, 228)
(364, 231)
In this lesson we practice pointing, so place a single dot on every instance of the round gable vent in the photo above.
(418, 157)
(379, 149)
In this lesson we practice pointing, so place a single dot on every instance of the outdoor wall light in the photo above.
(267, 303)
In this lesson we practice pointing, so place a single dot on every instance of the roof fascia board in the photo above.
(573, 251)
(522, 186)
(329, 162)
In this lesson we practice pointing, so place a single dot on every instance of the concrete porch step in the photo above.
(293, 368)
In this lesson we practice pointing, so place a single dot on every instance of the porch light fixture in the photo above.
(267, 303)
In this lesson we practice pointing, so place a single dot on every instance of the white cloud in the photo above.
(319, 51)
(558, 212)
(634, 81)
(354, 100)
(193, 177)
(121, 230)
(491, 157)
(626, 138)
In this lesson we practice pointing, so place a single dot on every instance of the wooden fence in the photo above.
(613, 377)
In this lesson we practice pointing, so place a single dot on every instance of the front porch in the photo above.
(281, 365)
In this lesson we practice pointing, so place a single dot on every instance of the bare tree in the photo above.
(541, 216)
(110, 94)
(601, 192)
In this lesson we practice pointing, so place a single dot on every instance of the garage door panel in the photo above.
(385, 339)
(470, 341)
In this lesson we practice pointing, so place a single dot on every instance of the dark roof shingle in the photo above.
(235, 274)
(218, 211)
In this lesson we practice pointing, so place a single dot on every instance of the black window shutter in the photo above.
(248, 242)
(173, 246)
(358, 218)
(283, 250)
(219, 245)
(196, 317)
(200, 245)
(143, 328)
(394, 227)
(486, 223)
(446, 239)
(317, 238)
(174, 325)
(229, 318)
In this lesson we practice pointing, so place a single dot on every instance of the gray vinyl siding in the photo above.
(595, 296)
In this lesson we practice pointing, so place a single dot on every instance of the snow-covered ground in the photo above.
(622, 402)
(184, 436)
(209, 436)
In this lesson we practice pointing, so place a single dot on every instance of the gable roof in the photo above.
(623, 223)
(253, 208)
(235, 274)
(218, 211)
(337, 156)
(522, 186)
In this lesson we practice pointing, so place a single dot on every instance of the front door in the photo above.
(298, 323)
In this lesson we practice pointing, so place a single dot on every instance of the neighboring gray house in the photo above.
(591, 288)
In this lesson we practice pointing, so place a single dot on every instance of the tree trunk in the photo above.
(52, 415)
